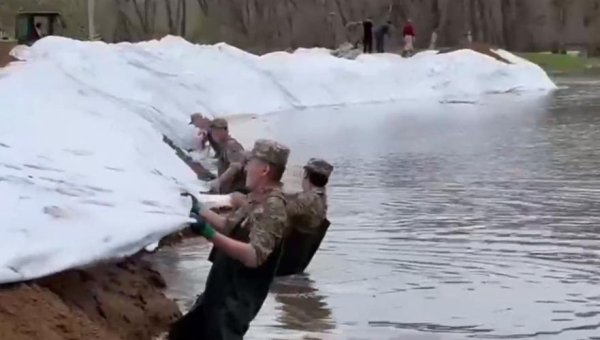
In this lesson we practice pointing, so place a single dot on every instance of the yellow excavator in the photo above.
(30, 27)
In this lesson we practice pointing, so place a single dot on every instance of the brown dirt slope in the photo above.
(5, 48)
(121, 301)
(28, 312)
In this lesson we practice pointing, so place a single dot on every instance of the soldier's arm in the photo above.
(236, 157)
(266, 232)
(215, 220)
(297, 204)
(268, 229)
(238, 200)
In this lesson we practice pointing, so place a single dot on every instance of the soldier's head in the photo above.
(199, 121)
(219, 129)
(316, 173)
(266, 164)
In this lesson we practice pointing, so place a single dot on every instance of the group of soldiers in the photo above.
(250, 242)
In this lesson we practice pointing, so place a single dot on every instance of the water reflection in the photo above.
(302, 307)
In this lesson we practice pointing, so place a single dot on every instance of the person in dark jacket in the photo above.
(367, 36)
(380, 34)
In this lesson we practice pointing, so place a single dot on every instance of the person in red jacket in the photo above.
(409, 38)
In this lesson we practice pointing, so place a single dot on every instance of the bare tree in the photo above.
(203, 6)
(507, 23)
(146, 13)
(183, 4)
(170, 22)
(560, 10)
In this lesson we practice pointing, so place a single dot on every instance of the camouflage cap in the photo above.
(319, 166)
(271, 151)
(218, 123)
(195, 116)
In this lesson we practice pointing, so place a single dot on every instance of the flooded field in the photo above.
(449, 221)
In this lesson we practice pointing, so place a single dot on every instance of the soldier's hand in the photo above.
(215, 186)
(202, 228)
(196, 206)
(238, 199)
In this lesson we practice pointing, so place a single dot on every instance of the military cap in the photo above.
(319, 166)
(271, 151)
(195, 116)
(218, 123)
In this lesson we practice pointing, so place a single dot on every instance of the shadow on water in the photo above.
(302, 307)
(448, 221)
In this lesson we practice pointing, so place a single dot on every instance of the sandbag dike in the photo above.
(485, 49)
(110, 301)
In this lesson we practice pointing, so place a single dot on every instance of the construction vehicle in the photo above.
(31, 26)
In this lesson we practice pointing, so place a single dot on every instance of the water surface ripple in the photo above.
(449, 222)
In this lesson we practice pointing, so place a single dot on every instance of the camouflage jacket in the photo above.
(262, 222)
(306, 210)
(232, 155)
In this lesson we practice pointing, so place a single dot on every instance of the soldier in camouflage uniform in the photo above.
(230, 166)
(307, 209)
(203, 125)
(307, 214)
(245, 265)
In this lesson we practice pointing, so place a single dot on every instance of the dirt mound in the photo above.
(478, 47)
(5, 48)
(28, 312)
(121, 301)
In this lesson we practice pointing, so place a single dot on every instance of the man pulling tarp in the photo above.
(231, 161)
(307, 213)
(246, 260)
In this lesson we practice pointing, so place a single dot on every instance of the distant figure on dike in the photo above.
(367, 36)
(37, 33)
(409, 38)
(380, 34)
(433, 41)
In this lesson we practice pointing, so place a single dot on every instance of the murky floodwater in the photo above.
(449, 222)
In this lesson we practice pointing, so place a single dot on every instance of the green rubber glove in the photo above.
(203, 228)
(196, 206)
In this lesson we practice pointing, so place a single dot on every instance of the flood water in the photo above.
(462, 221)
